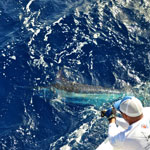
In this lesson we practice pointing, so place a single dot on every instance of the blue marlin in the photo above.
(72, 92)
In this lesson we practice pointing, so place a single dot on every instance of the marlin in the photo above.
(73, 92)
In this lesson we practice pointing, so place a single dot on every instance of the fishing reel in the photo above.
(103, 113)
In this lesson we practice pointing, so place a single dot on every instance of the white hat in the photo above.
(131, 106)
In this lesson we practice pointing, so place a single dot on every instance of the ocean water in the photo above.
(94, 42)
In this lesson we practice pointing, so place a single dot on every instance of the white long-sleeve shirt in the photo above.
(131, 137)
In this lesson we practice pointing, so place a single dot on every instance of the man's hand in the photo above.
(110, 113)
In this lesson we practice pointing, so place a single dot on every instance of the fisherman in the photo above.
(132, 131)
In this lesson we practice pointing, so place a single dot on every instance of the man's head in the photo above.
(130, 107)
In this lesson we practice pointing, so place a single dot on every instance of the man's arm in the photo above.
(112, 120)
(116, 137)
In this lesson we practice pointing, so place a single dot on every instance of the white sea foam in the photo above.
(28, 5)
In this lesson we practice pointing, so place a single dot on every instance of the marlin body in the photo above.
(72, 92)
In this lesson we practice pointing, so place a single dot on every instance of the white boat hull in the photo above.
(105, 146)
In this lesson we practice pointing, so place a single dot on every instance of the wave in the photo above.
(103, 43)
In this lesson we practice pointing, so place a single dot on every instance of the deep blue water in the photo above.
(95, 42)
